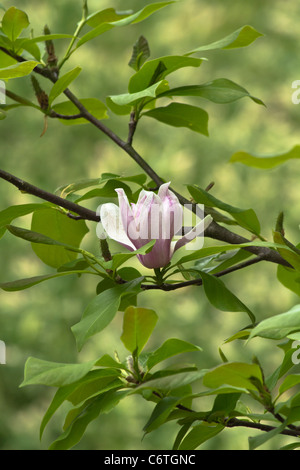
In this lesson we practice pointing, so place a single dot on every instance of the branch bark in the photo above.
(46, 196)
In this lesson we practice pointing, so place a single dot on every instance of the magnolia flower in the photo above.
(154, 217)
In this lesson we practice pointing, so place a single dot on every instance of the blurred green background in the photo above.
(36, 322)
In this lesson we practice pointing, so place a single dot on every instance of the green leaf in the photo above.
(237, 374)
(35, 237)
(169, 382)
(140, 53)
(108, 15)
(292, 446)
(107, 361)
(13, 212)
(199, 434)
(289, 278)
(284, 367)
(22, 284)
(219, 91)
(265, 162)
(93, 105)
(181, 115)
(138, 324)
(160, 413)
(18, 70)
(211, 250)
(108, 190)
(117, 109)
(245, 217)
(13, 23)
(221, 297)
(157, 69)
(58, 226)
(278, 326)
(68, 392)
(290, 255)
(126, 20)
(171, 347)
(131, 98)
(62, 83)
(289, 382)
(46, 37)
(53, 374)
(101, 404)
(225, 403)
(242, 37)
(141, 15)
(257, 441)
(101, 311)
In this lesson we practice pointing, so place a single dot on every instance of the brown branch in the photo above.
(235, 422)
(67, 117)
(59, 201)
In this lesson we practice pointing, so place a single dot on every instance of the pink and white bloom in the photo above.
(154, 217)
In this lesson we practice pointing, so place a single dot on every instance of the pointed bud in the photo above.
(51, 59)
(42, 97)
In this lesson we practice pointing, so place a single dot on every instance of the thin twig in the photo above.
(59, 201)
(199, 282)
(70, 117)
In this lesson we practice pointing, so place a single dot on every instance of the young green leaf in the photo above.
(68, 392)
(131, 98)
(221, 297)
(242, 37)
(22, 284)
(138, 324)
(245, 217)
(181, 115)
(289, 278)
(236, 374)
(13, 23)
(219, 91)
(199, 434)
(278, 326)
(157, 69)
(53, 374)
(104, 403)
(291, 255)
(101, 311)
(13, 212)
(18, 70)
(265, 162)
(60, 228)
(170, 381)
(62, 83)
(161, 413)
(140, 53)
(171, 347)
(257, 441)
(112, 20)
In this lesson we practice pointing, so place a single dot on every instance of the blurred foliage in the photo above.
(37, 322)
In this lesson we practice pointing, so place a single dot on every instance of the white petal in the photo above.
(112, 224)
